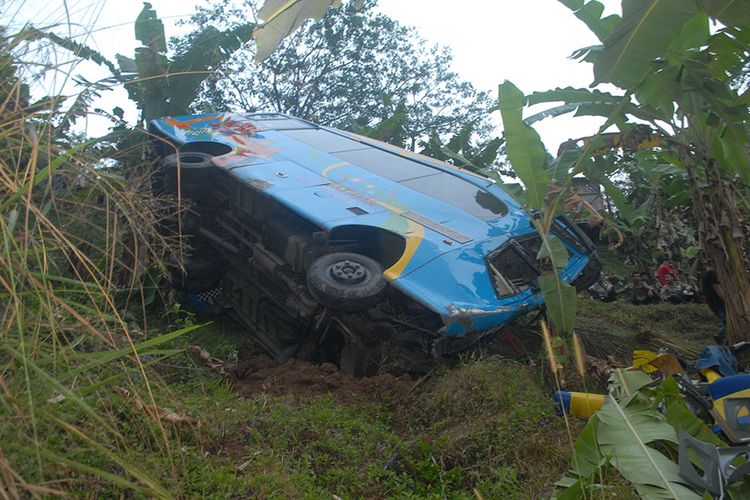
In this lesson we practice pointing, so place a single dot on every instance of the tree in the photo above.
(351, 69)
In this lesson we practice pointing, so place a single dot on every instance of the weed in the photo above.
(491, 416)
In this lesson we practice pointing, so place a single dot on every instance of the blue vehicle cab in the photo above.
(324, 239)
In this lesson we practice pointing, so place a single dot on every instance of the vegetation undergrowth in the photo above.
(82, 256)
(487, 426)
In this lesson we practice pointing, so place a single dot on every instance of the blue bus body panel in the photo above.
(450, 219)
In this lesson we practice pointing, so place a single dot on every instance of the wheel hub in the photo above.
(348, 272)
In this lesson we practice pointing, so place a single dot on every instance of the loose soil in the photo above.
(258, 373)
(608, 330)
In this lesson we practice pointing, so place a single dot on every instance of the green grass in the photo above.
(486, 426)
(494, 422)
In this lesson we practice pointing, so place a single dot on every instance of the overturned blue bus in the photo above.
(321, 239)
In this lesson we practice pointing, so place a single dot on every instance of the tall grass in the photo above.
(82, 248)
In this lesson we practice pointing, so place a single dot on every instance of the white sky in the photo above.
(525, 41)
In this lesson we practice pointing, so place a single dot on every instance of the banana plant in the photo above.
(392, 125)
(283, 17)
(678, 75)
(635, 432)
(166, 86)
(529, 161)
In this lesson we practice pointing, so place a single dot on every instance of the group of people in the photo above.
(640, 291)
(667, 288)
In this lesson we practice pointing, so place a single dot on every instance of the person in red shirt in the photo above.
(662, 272)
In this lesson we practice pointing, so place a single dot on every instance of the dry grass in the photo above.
(82, 246)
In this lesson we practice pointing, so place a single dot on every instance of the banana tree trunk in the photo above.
(735, 285)
(721, 238)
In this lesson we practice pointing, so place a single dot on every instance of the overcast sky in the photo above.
(525, 41)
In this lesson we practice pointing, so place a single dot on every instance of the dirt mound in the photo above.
(260, 374)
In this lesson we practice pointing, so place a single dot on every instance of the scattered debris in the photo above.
(599, 369)
(160, 414)
(56, 399)
(207, 359)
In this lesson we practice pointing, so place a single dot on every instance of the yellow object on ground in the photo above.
(668, 364)
(642, 360)
(651, 362)
(584, 404)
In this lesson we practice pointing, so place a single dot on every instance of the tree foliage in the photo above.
(481, 156)
(355, 68)
(163, 85)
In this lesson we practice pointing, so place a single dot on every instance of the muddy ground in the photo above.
(257, 373)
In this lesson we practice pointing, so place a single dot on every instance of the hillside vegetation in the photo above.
(101, 389)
